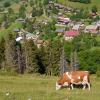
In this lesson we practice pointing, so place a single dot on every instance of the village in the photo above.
(68, 23)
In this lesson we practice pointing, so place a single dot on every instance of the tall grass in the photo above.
(32, 87)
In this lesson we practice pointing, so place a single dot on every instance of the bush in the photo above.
(98, 72)
(7, 4)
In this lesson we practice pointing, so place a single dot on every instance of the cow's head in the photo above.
(58, 86)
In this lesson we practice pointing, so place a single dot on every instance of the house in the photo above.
(31, 36)
(91, 29)
(21, 20)
(60, 31)
(18, 39)
(78, 27)
(68, 35)
(63, 20)
(16, 30)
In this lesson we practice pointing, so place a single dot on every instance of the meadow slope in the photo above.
(31, 87)
(81, 5)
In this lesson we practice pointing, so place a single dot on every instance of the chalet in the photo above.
(91, 29)
(60, 31)
(21, 20)
(68, 35)
(32, 36)
(16, 30)
(63, 20)
(78, 27)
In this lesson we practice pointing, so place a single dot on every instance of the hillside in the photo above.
(81, 5)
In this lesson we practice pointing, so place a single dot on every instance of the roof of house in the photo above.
(18, 39)
(16, 30)
(71, 33)
(89, 27)
(76, 27)
(60, 30)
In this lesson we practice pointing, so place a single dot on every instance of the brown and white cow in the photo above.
(74, 77)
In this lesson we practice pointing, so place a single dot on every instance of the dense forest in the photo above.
(58, 55)
(83, 52)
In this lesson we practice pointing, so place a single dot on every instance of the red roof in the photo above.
(71, 33)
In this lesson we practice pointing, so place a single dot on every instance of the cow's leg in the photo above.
(84, 86)
(88, 84)
(71, 86)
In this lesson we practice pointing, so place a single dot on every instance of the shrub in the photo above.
(98, 72)
(7, 4)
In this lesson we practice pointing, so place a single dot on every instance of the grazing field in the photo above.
(32, 87)
(81, 5)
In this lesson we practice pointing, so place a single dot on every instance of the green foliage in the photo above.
(94, 9)
(98, 71)
(7, 4)
(10, 53)
(82, 14)
(31, 57)
(22, 11)
(81, 1)
(31, 3)
(2, 53)
(89, 60)
(53, 57)
(10, 11)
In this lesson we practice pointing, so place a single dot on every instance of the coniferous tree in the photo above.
(10, 53)
(53, 58)
(42, 60)
(31, 57)
(2, 55)
(22, 11)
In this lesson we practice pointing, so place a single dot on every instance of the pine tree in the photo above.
(31, 57)
(2, 55)
(42, 60)
(22, 11)
(53, 58)
(63, 63)
(10, 53)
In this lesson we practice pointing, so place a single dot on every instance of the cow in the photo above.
(74, 78)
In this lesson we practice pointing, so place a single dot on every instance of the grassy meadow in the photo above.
(33, 87)
(81, 5)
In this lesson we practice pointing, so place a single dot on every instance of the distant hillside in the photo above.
(81, 5)
(11, 1)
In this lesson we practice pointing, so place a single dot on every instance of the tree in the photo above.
(22, 11)
(34, 12)
(7, 4)
(53, 51)
(63, 63)
(10, 11)
(10, 53)
(42, 60)
(94, 9)
(2, 53)
(29, 25)
(31, 3)
(31, 57)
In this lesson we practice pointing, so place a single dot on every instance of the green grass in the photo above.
(43, 88)
(4, 32)
(81, 5)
